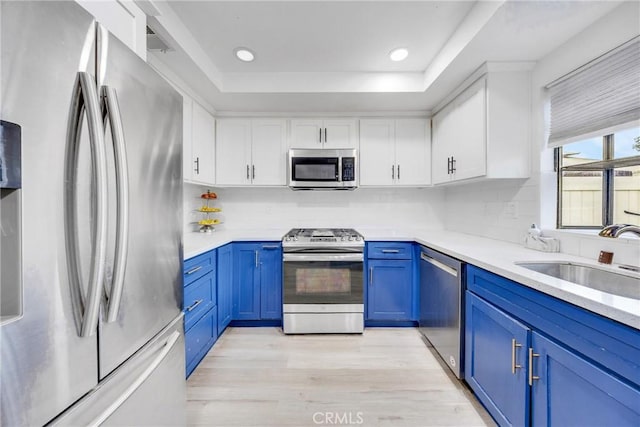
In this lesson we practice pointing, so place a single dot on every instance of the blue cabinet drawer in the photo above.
(198, 266)
(199, 297)
(200, 338)
(389, 250)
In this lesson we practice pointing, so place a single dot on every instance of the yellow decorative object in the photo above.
(206, 224)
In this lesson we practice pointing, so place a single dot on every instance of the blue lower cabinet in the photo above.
(225, 286)
(569, 390)
(199, 297)
(495, 361)
(200, 338)
(532, 359)
(246, 281)
(271, 281)
(389, 290)
(257, 281)
(199, 303)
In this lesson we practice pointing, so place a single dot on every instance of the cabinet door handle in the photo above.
(370, 276)
(320, 135)
(514, 365)
(253, 172)
(193, 270)
(391, 251)
(194, 305)
(256, 258)
(453, 165)
(197, 162)
(248, 173)
(325, 135)
(531, 376)
(448, 165)
(398, 172)
(393, 172)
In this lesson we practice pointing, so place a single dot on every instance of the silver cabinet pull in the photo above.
(391, 251)
(112, 112)
(370, 276)
(253, 172)
(248, 177)
(514, 346)
(450, 270)
(325, 135)
(256, 256)
(85, 98)
(393, 172)
(193, 270)
(531, 376)
(320, 136)
(197, 168)
(398, 172)
(194, 305)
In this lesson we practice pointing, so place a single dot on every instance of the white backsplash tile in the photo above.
(256, 208)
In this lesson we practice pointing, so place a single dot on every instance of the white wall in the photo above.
(257, 208)
(483, 208)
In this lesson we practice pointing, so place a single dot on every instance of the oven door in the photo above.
(322, 278)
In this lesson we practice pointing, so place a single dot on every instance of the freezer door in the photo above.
(46, 365)
(148, 390)
(150, 112)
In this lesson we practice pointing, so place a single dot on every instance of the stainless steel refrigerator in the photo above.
(92, 238)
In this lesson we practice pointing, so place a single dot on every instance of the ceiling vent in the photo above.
(156, 43)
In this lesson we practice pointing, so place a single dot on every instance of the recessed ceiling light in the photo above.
(398, 54)
(244, 54)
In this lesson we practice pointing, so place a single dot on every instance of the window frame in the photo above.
(608, 165)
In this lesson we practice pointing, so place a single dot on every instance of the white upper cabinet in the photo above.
(199, 149)
(484, 131)
(251, 152)
(324, 133)
(269, 152)
(394, 152)
(123, 19)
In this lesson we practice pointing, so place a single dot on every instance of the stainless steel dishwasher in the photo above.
(441, 306)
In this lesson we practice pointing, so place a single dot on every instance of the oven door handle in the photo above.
(322, 257)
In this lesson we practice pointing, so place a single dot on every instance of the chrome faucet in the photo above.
(616, 230)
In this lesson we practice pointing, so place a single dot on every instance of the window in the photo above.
(599, 180)
(595, 130)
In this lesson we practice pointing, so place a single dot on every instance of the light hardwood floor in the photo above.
(385, 377)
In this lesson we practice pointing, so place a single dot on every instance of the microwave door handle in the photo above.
(85, 99)
(112, 112)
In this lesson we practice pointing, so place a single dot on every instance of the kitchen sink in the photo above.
(589, 276)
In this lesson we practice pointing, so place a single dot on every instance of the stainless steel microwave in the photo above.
(323, 169)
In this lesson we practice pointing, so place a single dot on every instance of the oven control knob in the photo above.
(287, 238)
(357, 238)
(295, 238)
(350, 238)
(343, 238)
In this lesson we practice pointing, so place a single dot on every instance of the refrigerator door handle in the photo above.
(169, 344)
(85, 98)
(112, 113)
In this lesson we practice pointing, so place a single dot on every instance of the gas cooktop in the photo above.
(323, 237)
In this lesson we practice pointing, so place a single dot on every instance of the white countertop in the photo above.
(493, 255)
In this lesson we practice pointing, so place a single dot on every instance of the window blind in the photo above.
(603, 94)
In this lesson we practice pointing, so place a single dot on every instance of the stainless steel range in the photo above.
(323, 283)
